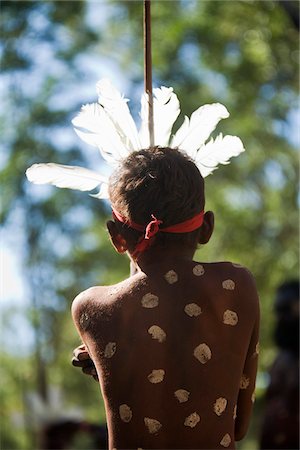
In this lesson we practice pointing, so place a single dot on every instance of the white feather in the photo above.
(72, 177)
(110, 127)
(115, 105)
(103, 192)
(195, 131)
(165, 111)
(95, 127)
(218, 151)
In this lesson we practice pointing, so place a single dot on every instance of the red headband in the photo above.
(153, 227)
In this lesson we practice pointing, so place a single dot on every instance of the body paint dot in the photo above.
(153, 425)
(220, 405)
(157, 333)
(244, 383)
(150, 301)
(253, 397)
(238, 266)
(226, 440)
(182, 395)
(202, 353)
(84, 320)
(230, 317)
(257, 348)
(198, 270)
(192, 420)
(125, 413)
(228, 284)
(192, 310)
(171, 277)
(234, 412)
(110, 350)
(156, 376)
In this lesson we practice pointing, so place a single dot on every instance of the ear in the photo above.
(207, 227)
(116, 238)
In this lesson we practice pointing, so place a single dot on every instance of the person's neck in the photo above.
(162, 256)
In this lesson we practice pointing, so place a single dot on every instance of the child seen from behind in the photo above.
(175, 346)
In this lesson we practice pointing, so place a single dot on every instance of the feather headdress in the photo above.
(109, 126)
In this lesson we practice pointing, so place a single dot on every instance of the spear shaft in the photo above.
(148, 67)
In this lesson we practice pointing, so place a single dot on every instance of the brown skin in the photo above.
(81, 357)
(114, 327)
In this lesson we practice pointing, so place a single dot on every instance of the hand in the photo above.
(81, 358)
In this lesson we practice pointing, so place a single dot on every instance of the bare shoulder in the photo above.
(96, 307)
(244, 279)
(87, 296)
(237, 281)
(235, 270)
(89, 302)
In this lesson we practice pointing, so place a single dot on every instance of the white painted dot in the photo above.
(171, 277)
(125, 413)
(220, 405)
(230, 317)
(192, 420)
(157, 333)
(198, 270)
(228, 284)
(244, 383)
(150, 301)
(234, 412)
(153, 425)
(182, 395)
(110, 350)
(192, 310)
(156, 376)
(226, 440)
(84, 321)
(202, 353)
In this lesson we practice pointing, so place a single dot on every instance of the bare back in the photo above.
(176, 354)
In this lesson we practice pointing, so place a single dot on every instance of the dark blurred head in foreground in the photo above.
(286, 334)
(280, 424)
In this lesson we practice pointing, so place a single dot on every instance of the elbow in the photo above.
(238, 435)
(240, 431)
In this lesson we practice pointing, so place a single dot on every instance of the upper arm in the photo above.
(247, 384)
(82, 310)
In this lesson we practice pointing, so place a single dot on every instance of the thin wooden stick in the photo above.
(148, 67)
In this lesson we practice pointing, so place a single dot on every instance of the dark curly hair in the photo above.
(161, 181)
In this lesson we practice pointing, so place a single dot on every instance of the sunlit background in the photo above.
(54, 244)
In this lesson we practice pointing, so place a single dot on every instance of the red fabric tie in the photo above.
(153, 227)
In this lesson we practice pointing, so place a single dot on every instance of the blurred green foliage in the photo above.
(241, 53)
